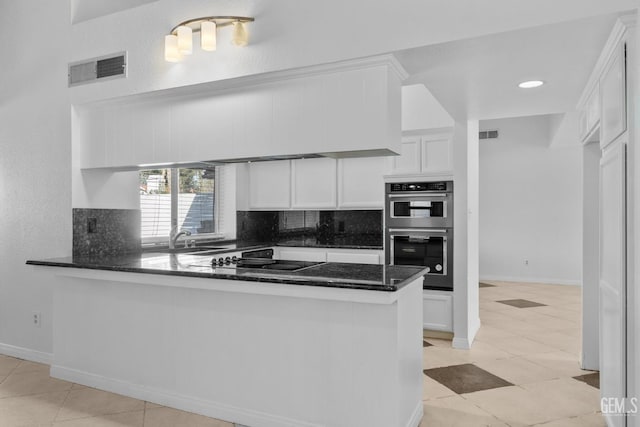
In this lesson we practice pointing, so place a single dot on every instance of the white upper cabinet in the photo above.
(408, 162)
(361, 183)
(428, 154)
(436, 154)
(319, 183)
(613, 97)
(270, 185)
(313, 183)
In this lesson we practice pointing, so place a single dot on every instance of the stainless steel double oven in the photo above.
(419, 229)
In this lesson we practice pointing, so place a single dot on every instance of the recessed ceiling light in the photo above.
(531, 84)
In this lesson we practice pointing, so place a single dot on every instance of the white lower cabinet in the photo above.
(353, 256)
(360, 256)
(302, 254)
(437, 310)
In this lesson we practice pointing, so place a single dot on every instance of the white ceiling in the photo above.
(477, 78)
(83, 10)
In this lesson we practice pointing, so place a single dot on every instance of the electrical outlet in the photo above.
(526, 262)
(92, 225)
(36, 319)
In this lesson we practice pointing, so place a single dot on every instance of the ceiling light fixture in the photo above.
(179, 41)
(530, 84)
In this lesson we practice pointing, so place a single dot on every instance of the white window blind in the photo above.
(197, 202)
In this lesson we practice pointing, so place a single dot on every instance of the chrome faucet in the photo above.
(175, 236)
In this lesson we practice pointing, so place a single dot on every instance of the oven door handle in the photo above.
(420, 193)
(413, 230)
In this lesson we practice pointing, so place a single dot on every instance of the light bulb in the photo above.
(531, 84)
(185, 40)
(171, 52)
(208, 36)
(240, 36)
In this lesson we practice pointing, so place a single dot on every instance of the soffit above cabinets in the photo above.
(348, 109)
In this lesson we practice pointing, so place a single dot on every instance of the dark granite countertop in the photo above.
(331, 274)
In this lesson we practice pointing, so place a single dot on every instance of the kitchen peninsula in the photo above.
(331, 344)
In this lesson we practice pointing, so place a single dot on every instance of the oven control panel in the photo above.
(406, 187)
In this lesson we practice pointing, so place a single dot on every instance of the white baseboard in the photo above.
(26, 353)
(465, 343)
(210, 409)
(545, 280)
(416, 416)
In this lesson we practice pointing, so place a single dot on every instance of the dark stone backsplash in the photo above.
(311, 228)
(101, 232)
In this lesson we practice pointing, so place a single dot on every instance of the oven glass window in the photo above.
(418, 209)
(427, 251)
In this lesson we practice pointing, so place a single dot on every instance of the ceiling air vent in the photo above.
(488, 134)
(98, 69)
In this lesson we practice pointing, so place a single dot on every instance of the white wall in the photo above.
(420, 110)
(530, 204)
(35, 168)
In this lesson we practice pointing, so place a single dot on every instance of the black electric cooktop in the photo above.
(263, 264)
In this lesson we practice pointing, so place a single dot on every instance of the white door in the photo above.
(612, 277)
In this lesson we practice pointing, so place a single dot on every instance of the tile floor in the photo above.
(530, 339)
(529, 353)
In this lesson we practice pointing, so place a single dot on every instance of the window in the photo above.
(191, 203)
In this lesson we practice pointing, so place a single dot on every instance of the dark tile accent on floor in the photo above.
(466, 378)
(426, 344)
(486, 285)
(521, 303)
(592, 379)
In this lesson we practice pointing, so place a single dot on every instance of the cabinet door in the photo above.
(293, 254)
(408, 162)
(612, 282)
(613, 98)
(313, 183)
(269, 184)
(361, 183)
(356, 257)
(436, 153)
(437, 311)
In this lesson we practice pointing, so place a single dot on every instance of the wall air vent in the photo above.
(488, 134)
(98, 69)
